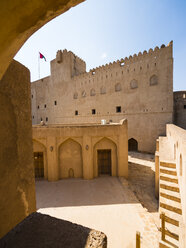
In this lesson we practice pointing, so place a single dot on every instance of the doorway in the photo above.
(104, 162)
(38, 164)
(132, 145)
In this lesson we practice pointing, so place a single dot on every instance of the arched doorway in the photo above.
(40, 161)
(132, 145)
(105, 158)
(70, 159)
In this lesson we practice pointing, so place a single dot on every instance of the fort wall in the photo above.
(180, 109)
(139, 88)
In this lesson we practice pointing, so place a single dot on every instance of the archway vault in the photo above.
(20, 19)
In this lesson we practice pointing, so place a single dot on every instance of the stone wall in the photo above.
(138, 88)
(73, 149)
(180, 109)
(17, 186)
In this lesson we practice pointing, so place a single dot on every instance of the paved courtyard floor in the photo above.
(115, 206)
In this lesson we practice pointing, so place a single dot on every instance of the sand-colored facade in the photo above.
(73, 151)
(138, 88)
(171, 181)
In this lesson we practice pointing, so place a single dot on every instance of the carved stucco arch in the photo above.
(20, 19)
(69, 138)
(114, 155)
(76, 160)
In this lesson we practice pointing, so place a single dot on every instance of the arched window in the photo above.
(153, 80)
(83, 94)
(132, 145)
(102, 90)
(92, 92)
(76, 95)
(133, 84)
(118, 87)
(181, 166)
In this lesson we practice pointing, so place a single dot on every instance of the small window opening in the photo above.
(122, 72)
(41, 118)
(33, 117)
(38, 106)
(140, 68)
(184, 106)
(55, 102)
(118, 109)
(93, 111)
(76, 112)
(45, 105)
(154, 64)
(93, 72)
(127, 70)
(134, 69)
(46, 118)
(32, 96)
(147, 65)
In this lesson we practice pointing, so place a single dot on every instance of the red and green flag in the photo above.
(42, 56)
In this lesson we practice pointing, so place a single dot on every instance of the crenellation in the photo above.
(137, 85)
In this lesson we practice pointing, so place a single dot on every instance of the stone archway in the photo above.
(70, 159)
(108, 146)
(20, 19)
(132, 145)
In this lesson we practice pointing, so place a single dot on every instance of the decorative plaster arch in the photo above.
(111, 145)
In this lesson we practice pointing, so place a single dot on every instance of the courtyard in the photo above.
(112, 205)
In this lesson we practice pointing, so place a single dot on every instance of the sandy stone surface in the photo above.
(108, 204)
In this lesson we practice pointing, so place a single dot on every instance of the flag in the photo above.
(42, 56)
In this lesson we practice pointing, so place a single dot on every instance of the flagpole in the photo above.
(39, 65)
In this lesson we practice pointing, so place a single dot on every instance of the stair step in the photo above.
(168, 171)
(168, 164)
(171, 193)
(169, 179)
(170, 202)
(170, 220)
(169, 187)
(170, 197)
(171, 208)
(170, 234)
(167, 244)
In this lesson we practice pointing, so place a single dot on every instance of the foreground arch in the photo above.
(20, 19)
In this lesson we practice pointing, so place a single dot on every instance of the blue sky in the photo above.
(101, 31)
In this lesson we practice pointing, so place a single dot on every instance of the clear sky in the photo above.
(101, 31)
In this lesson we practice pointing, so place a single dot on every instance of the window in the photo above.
(41, 118)
(184, 106)
(46, 118)
(38, 106)
(133, 84)
(76, 112)
(83, 94)
(45, 105)
(102, 90)
(92, 92)
(93, 72)
(118, 109)
(32, 96)
(55, 102)
(75, 95)
(93, 111)
(153, 80)
(118, 87)
(33, 117)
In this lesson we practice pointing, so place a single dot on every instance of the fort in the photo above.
(138, 88)
(91, 119)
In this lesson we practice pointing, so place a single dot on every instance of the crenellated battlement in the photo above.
(128, 60)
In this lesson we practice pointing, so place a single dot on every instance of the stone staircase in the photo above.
(169, 204)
